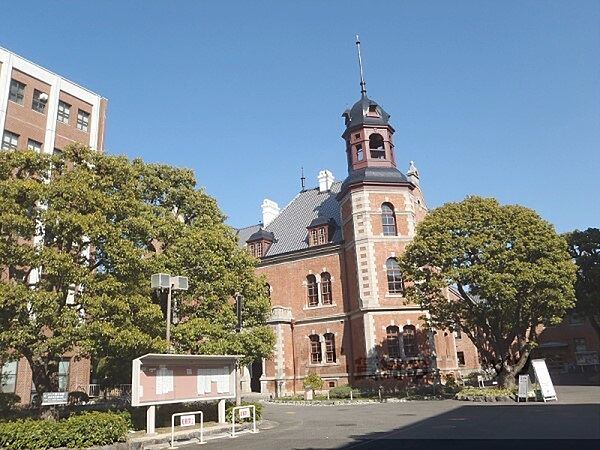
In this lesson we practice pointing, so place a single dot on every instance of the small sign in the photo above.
(244, 413)
(188, 421)
(523, 387)
(543, 378)
(55, 398)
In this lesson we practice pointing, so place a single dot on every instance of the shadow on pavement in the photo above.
(535, 426)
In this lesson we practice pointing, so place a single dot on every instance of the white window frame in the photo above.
(10, 140)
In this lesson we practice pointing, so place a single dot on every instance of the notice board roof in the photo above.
(172, 357)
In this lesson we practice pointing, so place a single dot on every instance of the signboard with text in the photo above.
(244, 413)
(164, 378)
(55, 398)
(188, 421)
(523, 387)
(543, 377)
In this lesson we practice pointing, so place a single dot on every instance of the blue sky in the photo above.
(490, 98)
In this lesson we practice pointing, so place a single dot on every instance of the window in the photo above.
(393, 341)
(376, 146)
(331, 384)
(256, 249)
(313, 293)
(580, 345)
(40, 99)
(34, 145)
(63, 375)
(460, 357)
(315, 349)
(326, 297)
(268, 290)
(83, 119)
(17, 92)
(457, 332)
(10, 141)
(64, 109)
(394, 277)
(360, 154)
(409, 340)
(318, 236)
(388, 220)
(8, 377)
(329, 347)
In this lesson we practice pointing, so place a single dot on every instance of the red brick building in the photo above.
(42, 111)
(330, 258)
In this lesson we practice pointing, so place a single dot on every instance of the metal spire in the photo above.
(363, 85)
(302, 179)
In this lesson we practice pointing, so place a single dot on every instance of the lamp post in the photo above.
(164, 281)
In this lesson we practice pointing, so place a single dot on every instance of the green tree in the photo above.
(509, 269)
(584, 247)
(80, 235)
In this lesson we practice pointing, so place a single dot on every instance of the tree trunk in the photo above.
(506, 376)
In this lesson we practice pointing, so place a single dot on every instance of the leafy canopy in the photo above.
(584, 247)
(80, 235)
(507, 270)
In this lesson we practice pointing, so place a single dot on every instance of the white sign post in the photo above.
(243, 412)
(187, 419)
(543, 378)
(523, 388)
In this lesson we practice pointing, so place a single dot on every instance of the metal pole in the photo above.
(239, 303)
(169, 318)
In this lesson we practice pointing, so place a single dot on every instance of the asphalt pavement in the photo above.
(448, 424)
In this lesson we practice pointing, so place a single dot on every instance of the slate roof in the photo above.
(358, 114)
(243, 234)
(289, 227)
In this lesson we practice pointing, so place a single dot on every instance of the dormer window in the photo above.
(260, 242)
(320, 231)
(373, 111)
(256, 249)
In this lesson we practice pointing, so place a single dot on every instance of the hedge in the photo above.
(78, 431)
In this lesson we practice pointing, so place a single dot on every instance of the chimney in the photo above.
(270, 210)
(413, 174)
(326, 179)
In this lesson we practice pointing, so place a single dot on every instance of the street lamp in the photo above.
(164, 281)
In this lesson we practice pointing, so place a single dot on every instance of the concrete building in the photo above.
(330, 258)
(43, 111)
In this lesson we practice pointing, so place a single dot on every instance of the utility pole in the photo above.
(239, 304)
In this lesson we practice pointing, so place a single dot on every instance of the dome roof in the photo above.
(365, 112)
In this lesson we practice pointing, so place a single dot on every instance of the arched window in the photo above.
(394, 276)
(409, 340)
(376, 146)
(313, 294)
(326, 297)
(360, 154)
(393, 341)
(388, 220)
(329, 348)
(315, 349)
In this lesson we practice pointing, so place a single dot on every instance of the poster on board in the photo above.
(544, 380)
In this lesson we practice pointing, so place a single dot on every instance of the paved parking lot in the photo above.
(423, 424)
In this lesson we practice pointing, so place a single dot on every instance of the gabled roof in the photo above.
(289, 227)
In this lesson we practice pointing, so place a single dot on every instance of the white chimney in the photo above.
(270, 210)
(326, 179)
(413, 174)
